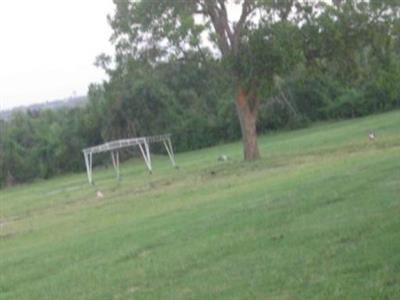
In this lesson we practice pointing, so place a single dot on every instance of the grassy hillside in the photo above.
(316, 218)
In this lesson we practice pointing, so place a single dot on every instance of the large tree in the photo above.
(157, 30)
(255, 40)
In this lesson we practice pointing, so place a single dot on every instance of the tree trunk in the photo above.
(247, 110)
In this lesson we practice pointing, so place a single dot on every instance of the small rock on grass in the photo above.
(223, 157)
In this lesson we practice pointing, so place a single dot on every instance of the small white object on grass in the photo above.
(99, 194)
(223, 157)
(371, 136)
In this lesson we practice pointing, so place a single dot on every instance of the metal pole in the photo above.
(168, 147)
(87, 167)
(115, 161)
(91, 167)
(146, 145)
(145, 157)
(118, 173)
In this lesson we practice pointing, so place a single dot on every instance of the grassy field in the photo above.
(317, 218)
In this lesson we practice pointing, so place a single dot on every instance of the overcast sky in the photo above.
(48, 48)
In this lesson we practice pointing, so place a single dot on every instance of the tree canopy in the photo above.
(256, 40)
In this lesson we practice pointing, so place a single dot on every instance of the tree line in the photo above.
(296, 63)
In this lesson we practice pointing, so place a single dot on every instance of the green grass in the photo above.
(317, 218)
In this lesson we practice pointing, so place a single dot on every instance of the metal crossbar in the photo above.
(118, 144)
(113, 146)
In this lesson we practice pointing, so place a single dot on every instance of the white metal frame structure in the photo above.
(113, 147)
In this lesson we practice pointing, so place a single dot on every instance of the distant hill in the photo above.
(78, 101)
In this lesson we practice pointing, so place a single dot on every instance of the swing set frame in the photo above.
(114, 146)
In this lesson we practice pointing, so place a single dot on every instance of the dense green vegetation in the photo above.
(315, 218)
(334, 62)
(269, 42)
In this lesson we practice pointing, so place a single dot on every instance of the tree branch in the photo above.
(247, 9)
(284, 13)
(224, 19)
(222, 37)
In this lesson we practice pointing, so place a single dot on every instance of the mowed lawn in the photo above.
(318, 217)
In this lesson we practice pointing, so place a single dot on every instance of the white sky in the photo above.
(48, 47)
